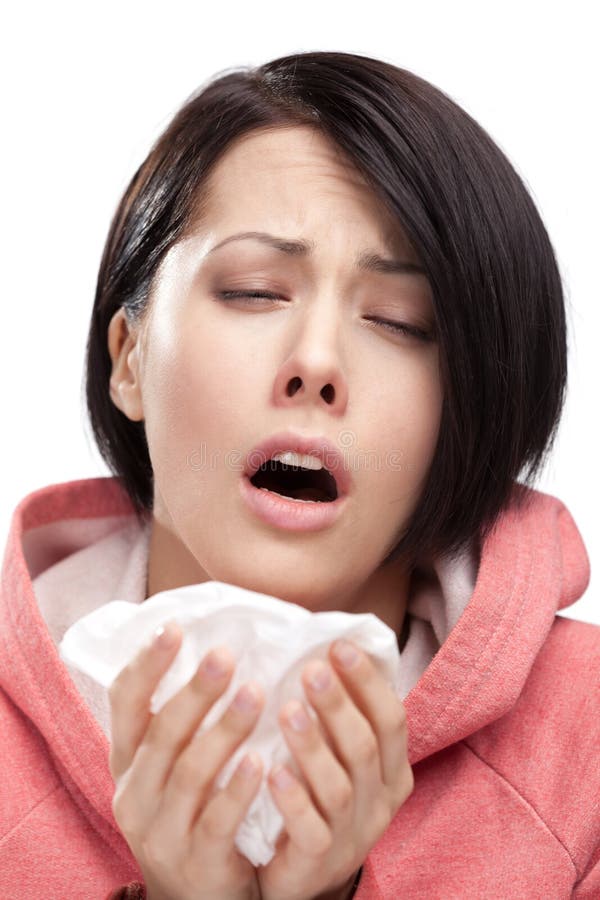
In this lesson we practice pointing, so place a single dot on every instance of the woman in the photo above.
(325, 258)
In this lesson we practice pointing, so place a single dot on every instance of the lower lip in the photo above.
(291, 515)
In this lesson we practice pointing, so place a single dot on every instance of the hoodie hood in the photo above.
(477, 621)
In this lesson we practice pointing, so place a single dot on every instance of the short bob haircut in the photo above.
(497, 292)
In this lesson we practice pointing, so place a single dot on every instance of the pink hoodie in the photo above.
(502, 699)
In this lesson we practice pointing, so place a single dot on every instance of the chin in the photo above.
(302, 591)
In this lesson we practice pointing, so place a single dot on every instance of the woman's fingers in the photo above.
(172, 753)
(329, 783)
(172, 728)
(130, 694)
(364, 724)
(165, 768)
(206, 754)
(378, 703)
(352, 736)
(183, 807)
(225, 812)
(354, 761)
(308, 832)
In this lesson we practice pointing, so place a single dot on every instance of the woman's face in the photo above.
(214, 377)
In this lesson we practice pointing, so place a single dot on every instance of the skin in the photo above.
(209, 376)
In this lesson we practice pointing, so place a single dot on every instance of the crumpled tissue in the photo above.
(271, 641)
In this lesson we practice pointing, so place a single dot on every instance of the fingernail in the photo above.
(320, 677)
(164, 636)
(245, 699)
(216, 664)
(298, 718)
(283, 779)
(345, 653)
(249, 765)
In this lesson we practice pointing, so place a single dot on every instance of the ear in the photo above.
(124, 385)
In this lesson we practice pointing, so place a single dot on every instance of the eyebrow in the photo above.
(367, 260)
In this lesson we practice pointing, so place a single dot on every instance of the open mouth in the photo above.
(296, 481)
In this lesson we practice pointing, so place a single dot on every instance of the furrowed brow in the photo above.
(368, 261)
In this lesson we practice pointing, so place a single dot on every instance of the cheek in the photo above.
(409, 417)
(194, 403)
(184, 403)
(423, 426)
(198, 382)
(424, 417)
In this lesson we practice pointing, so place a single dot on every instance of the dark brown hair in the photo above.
(497, 292)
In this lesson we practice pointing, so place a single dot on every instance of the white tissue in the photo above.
(271, 641)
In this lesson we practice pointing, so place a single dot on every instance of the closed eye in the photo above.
(403, 328)
(248, 295)
(386, 324)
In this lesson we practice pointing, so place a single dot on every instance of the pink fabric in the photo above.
(501, 695)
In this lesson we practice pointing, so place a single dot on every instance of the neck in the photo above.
(385, 593)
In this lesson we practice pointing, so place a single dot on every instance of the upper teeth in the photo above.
(297, 459)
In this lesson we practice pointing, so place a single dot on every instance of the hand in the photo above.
(179, 827)
(357, 775)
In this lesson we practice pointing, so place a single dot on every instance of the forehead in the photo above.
(295, 148)
(295, 173)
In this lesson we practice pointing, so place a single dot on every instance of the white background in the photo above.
(87, 87)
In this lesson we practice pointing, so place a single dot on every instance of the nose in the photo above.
(313, 372)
